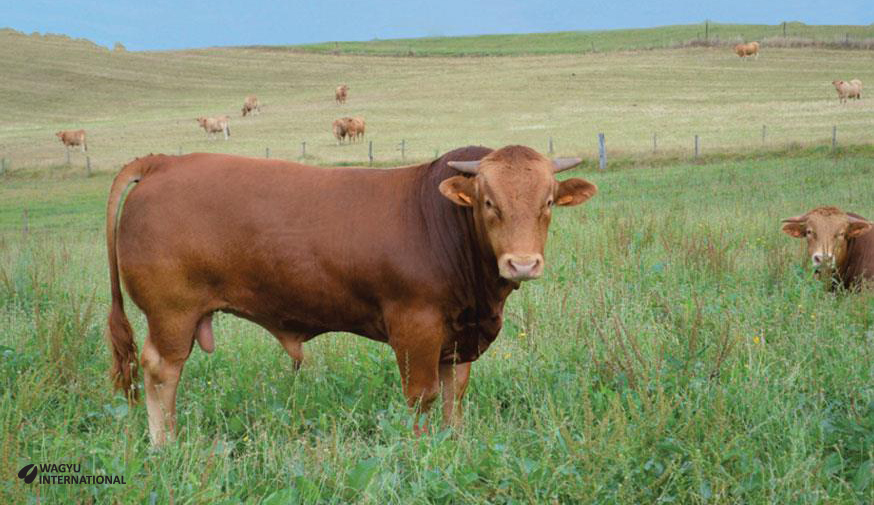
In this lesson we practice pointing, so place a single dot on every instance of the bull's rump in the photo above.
(288, 246)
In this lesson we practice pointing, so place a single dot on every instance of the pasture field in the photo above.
(136, 103)
(676, 351)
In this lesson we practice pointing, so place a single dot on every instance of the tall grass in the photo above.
(677, 350)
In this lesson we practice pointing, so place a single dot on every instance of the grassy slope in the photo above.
(584, 41)
(675, 349)
(135, 103)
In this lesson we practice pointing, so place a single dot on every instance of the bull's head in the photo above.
(512, 192)
(827, 230)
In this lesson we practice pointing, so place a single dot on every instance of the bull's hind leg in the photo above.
(164, 353)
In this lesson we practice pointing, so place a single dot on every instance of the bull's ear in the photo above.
(795, 226)
(459, 189)
(574, 192)
(857, 227)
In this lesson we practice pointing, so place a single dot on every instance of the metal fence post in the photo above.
(655, 142)
(370, 151)
(303, 149)
(602, 152)
(67, 156)
(267, 152)
(696, 146)
(551, 148)
(764, 133)
(403, 149)
(88, 166)
(834, 137)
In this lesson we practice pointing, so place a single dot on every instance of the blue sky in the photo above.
(165, 24)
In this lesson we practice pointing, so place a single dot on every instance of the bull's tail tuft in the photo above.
(120, 334)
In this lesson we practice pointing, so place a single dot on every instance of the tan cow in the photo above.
(839, 244)
(852, 89)
(340, 129)
(73, 138)
(251, 105)
(213, 125)
(355, 127)
(749, 49)
(341, 93)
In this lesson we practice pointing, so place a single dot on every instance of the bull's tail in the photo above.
(120, 334)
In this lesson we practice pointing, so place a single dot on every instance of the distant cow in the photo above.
(421, 258)
(749, 49)
(340, 129)
(213, 125)
(355, 127)
(838, 244)
(852, 89)
(73, 138)
(341, 93)
(251, 105)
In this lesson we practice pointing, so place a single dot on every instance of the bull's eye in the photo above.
(809, 233)
(550, 203)
(489, 204)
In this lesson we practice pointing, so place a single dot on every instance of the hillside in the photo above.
(603, 40)
(134, 103)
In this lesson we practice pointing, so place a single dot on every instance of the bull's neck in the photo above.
(461, 250)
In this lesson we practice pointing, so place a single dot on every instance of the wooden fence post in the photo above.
(403, 147)
(370, 152)
(764, 133)
(67, 155)
(655, 142)
(551, 147)
(267, 152)
(87, 166)
(303, 149)
(602, 152)
(696, 146)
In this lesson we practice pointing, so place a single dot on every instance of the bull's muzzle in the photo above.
(520, 267)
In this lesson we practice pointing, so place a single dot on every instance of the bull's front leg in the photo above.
(416, 337)
(453, 379)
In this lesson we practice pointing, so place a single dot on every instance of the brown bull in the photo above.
(421, 257)
(839, 244)
(851, 89)
(72, 138)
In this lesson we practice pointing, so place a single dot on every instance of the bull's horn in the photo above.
(468, 167)
(560, 164)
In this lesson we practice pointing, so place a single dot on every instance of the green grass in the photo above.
(677, 350)
(585, 41)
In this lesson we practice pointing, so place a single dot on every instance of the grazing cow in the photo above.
(251, 105)
(838, 243)
(340, 128)
(748, 49)
(421, 258)
(341, 93)
(213, 125)
(852, 89)
(73, 138)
